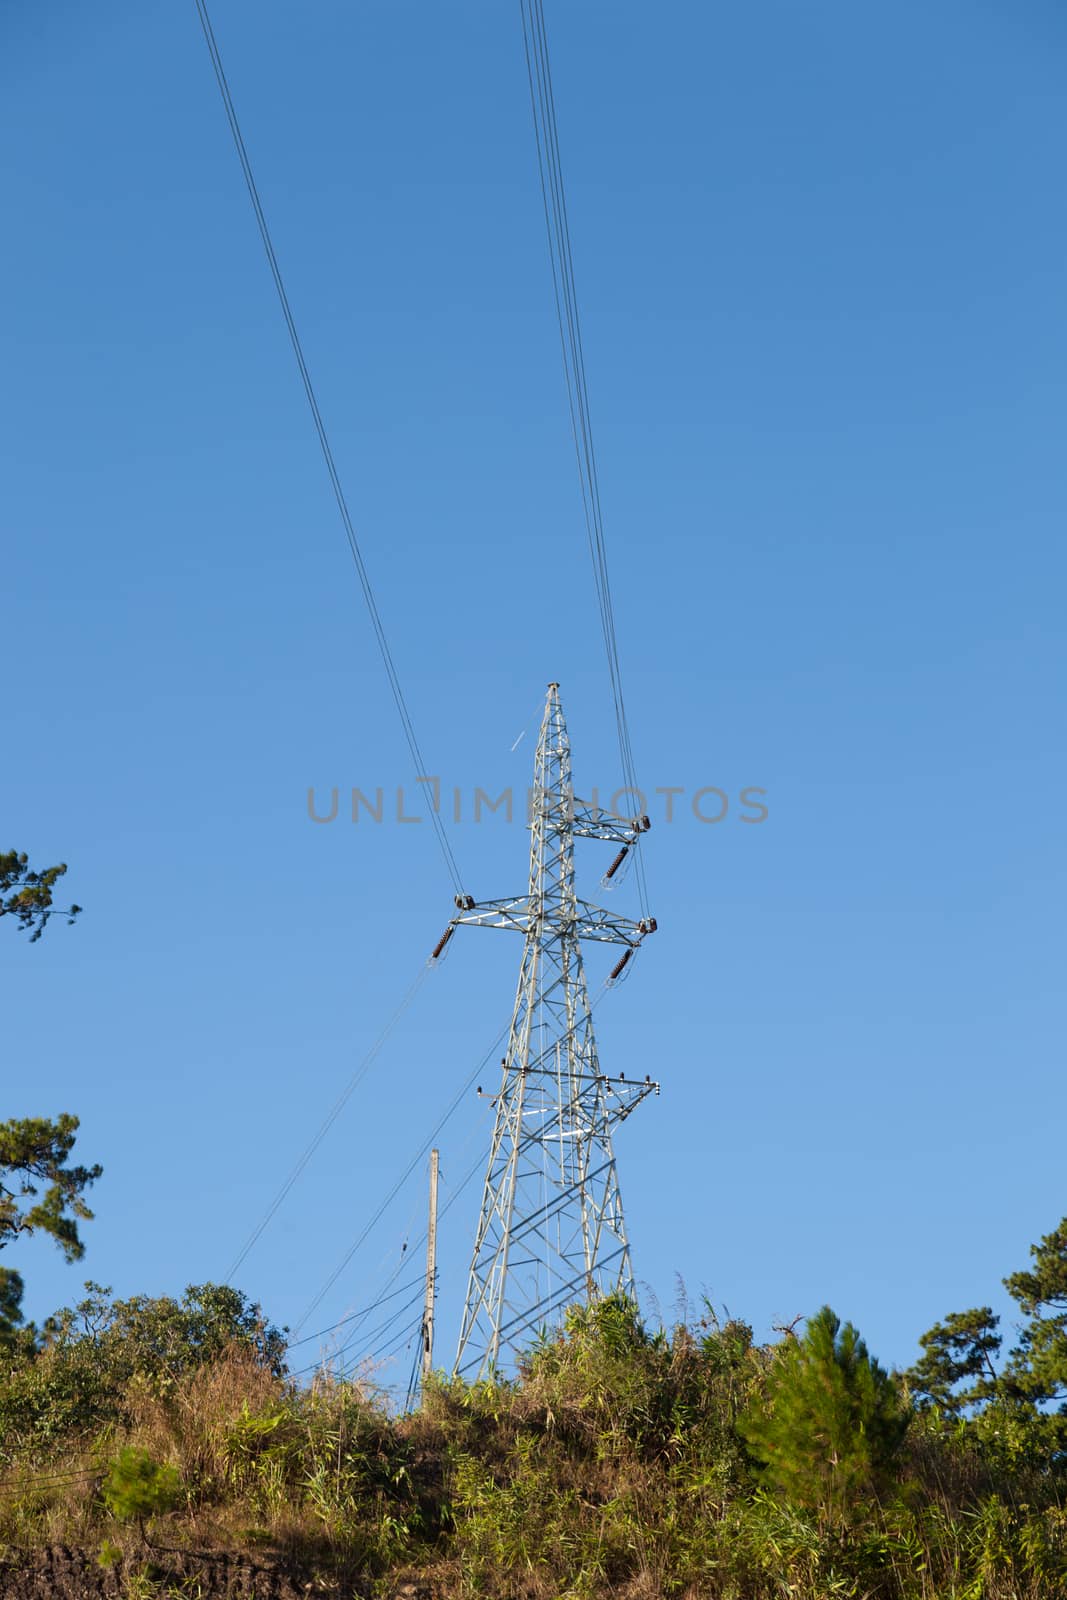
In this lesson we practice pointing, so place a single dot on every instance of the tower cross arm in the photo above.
(605, 927)
(591, 822)
(516, 912)
(511, 912)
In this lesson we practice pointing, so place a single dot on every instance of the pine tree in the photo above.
(35, 1151)
(1020, 1406)
(138, 1487)
(961, 1348)
(1036, 1372)
(11, 1318)
(829, 1423)
(26, 894)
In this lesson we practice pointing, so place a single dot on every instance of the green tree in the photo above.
(137, 1487)
(165, 1337)
(35, 1151)
(1022, 1405)
(11, 1318)
(26, 894)
(962, 1350)
(89, 1359)
(829, 1423)
(1036, 1371)
(34, 1155)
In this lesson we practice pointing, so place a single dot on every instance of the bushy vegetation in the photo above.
(618, 1461)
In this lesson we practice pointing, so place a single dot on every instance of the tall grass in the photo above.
(611, 1465)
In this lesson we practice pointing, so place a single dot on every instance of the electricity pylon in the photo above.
(551, 1229)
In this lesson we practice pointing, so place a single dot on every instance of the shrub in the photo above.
(96, 1358)
(137, 1487)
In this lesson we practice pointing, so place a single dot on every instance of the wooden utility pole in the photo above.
(431, 1272)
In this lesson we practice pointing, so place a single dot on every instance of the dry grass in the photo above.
(608, 1470)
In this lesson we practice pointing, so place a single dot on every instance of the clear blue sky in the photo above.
(820, 254)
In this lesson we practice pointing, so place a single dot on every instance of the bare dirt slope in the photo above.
(62, 1574)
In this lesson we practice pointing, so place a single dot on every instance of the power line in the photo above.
(384, 1297)
(413, 1288)
(405, 1175)
(550, 170)
(405, 1337)
(454, 1196)
(53, 1480)
(339, 1105)
(324, 442)
(368, 1345)
(421, 1240)
(391, 1196)
(413, 1378)
(351, 1316)
(368, 594)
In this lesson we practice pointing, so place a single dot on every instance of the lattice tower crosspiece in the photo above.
(551, 1229)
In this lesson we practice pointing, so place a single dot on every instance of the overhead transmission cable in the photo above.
(398, 1185)
(327, 451)
(413, 1378)
(54, 1480)
(404, 1176)
(338, 1106)
(390, 1322)
(550, 169)
(381, 638)
(404, 1339)
(419, 1242)
(415, 1298)
(350, 1316)
(387, 1292)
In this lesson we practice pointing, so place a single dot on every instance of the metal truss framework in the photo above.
(551, 1229)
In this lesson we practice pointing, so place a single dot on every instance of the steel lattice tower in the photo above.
(551, 1229)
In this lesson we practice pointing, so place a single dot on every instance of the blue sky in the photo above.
(820, 257)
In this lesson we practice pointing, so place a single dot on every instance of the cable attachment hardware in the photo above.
(617, 969)
(617, 863)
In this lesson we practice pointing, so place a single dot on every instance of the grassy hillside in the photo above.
(153, 1435)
